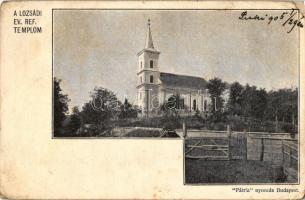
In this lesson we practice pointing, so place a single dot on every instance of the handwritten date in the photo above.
(287, 19)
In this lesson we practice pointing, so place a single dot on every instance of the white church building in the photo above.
(156, 88)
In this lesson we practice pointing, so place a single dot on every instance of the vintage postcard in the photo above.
(152, 100)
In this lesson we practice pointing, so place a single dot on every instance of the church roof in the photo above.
(182, 81)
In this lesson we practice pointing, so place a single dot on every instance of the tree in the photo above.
(127, 110)
(245, 102)
(103, 106)
(282, 105)
(235, 98)
(60, 108)
(170, 116)
(216, 88)
(254, 102)
(75, 122)
(259, 104)
(292, 103)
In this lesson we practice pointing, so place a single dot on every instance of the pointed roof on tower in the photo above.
(149, 41)
(149, 45)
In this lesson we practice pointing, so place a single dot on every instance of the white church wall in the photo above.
(147, 57)
(189, 95)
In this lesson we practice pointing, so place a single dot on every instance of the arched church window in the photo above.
(194, 105)
(151, 64)
(141, 64)
(151, 79)
(141, 79)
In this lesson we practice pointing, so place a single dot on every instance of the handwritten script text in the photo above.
(286, 19)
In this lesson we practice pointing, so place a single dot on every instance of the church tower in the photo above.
(148, 76)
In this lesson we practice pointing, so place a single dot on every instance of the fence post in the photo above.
(283, 157)
(246, 146)
(290, 156)
(262, 150)
(276, 124)
(229, 141)
(184, 130)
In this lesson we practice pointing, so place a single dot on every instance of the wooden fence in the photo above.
(277, 149)
(267, 146)
(290, 159)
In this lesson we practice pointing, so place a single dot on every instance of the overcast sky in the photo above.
(99, 48)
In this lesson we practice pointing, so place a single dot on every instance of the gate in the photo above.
(215, 145)
(207, 148)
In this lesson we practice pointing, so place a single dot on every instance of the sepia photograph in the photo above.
(226, 82)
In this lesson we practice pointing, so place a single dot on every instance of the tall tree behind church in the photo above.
(235, 99)
(216, 88)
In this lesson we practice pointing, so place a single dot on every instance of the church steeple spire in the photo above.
(149, 42)
(148, 74)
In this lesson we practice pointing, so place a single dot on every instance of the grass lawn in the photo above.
(234, 171)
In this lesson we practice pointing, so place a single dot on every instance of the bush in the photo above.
(171, 121)
(144, 133)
